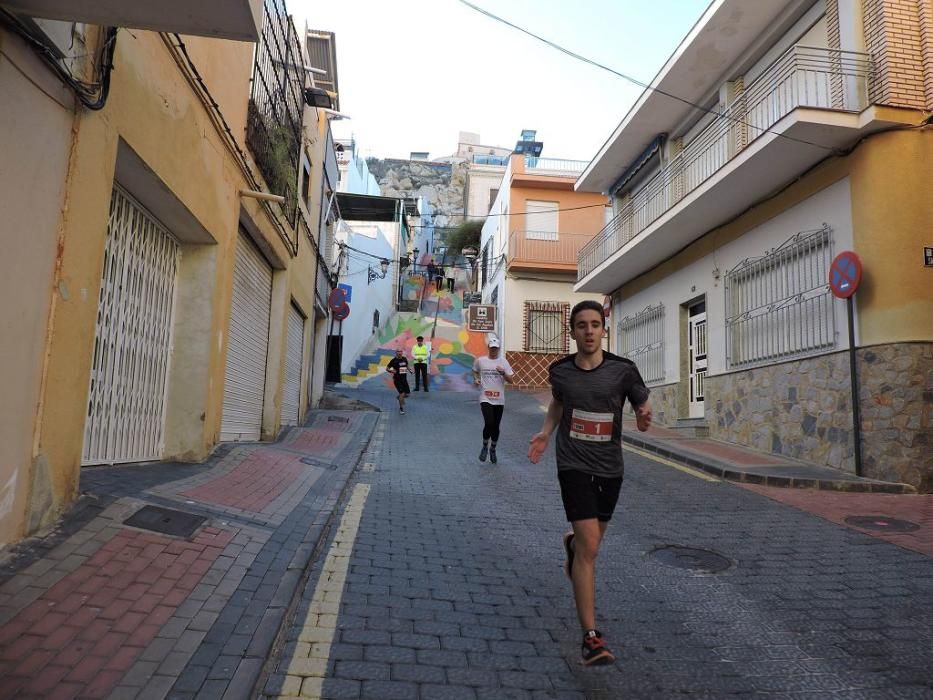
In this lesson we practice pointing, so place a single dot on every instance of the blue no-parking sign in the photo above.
(845, 273)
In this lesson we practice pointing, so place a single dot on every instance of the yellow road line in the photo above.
(307, 668)
(680, 467)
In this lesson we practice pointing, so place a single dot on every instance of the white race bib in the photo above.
(595, 427)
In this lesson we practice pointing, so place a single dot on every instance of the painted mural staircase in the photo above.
(441, 315)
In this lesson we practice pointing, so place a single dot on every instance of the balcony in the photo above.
(545, 250)
(220, 19)
(808, 103)
(490, 159)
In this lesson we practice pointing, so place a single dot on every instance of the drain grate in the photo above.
(318, 463)
(165, 520)
(701, 561)
(881, 523)
(338, 419)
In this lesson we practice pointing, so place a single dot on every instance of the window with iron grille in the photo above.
(779, 305)
(276, 104)
(546, 326)
(641, 339)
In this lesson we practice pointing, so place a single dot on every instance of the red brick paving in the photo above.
(319, 441)
(837, 506)
(85, 652)
(727, 453)
(260, 478)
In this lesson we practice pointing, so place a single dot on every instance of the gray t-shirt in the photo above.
(589, 437)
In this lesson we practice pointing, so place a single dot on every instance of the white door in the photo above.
(291, 393)
(247, 344)
(133, 338)
(696, 337)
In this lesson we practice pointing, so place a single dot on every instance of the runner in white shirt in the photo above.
(491, 373)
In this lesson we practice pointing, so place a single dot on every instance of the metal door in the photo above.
(133, 338)
(696, 338)
(291, 393)
(247, 344)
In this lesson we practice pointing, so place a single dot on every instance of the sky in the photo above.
(415, 73)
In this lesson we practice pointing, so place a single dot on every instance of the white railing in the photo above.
(804, 76)
(560, 165)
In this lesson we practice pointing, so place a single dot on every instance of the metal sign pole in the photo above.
(856, 409)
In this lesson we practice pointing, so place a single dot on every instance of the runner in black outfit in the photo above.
(588, 390)
(399, 369)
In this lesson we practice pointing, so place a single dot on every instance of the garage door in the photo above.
(133, 338)
(247, 344)
(291, 396)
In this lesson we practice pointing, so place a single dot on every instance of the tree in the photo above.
(465, 235)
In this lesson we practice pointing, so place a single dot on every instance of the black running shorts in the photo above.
(586, 497)
(401, 384)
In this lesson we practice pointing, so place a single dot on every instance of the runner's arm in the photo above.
(539, 441)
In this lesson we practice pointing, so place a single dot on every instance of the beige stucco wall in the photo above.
(35, 144)
(518, 291)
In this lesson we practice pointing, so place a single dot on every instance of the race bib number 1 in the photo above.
(492, 394)
(595, 427)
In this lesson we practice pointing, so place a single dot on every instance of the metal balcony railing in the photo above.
(804, 76)
(560, 165)
(545, 247)
(276, 105)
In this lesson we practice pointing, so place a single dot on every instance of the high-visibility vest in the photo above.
(421, 353)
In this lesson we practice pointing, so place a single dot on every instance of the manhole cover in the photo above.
(337, 419)
(318, 463)
(881, 523)
(165, 520)
(703, 561)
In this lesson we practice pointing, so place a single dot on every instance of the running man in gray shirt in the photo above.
(588, 391)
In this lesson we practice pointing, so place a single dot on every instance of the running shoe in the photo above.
(482, 453)
(568, 548)
(492, 455)
(594, 651)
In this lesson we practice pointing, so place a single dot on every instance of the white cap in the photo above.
(492, 341)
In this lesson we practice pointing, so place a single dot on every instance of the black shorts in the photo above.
(401, 384)
(586, 496)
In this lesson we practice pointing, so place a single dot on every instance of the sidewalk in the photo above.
(737, 463)
(174, 578)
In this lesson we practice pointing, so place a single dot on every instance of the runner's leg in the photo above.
(587, 535)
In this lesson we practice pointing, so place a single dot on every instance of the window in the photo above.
(493, 193)
(306, 184)
(546, 326)
(494, 297)
(541, 220)
(779, 305)
(485, 268)
(641, 339)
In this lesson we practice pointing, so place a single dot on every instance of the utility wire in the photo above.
(637, 82)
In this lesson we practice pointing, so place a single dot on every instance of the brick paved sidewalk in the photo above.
(102, 609)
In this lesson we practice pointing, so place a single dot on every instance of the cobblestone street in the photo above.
(444, 580)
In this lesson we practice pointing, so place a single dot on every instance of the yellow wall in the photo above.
(35, 147)
(892, 220)
(154, 111)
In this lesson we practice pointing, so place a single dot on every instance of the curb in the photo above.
(729, 473)
(249, 678)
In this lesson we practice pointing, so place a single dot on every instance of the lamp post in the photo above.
(371, 274)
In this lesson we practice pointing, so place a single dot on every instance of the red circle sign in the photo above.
(341, 312)
(845, 273)
(337, 297)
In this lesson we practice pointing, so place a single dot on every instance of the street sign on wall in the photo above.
(928, 256)
(845, 273)
(348, 290)
(481, 317)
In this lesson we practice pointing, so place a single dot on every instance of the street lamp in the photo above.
(371, 274)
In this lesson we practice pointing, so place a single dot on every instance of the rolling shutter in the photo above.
(247, 344)
(291, 394)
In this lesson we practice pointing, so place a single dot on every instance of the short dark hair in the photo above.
(586, 305)
(420, 337)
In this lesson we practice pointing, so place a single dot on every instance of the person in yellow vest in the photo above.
(420, 352)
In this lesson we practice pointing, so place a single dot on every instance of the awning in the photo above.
(639, 163)
(367, 207)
